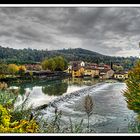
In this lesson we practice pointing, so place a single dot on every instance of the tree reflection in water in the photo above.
(81, 81)
(55, 88)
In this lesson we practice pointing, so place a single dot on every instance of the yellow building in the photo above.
(78, 72)
(121, 75)
(76, 68)
(91, 72)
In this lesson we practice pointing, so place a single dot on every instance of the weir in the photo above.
(110, 112)
(80, 92)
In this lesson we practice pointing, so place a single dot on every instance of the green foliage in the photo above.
(3, 68)
(53, 126)
(7, 70)
(21, 126)
(55, 89)
(51, 64)
(45, 64)
(57, 63)
(134, 126)
(30, 56)
(61, 63)
(75, 128)
(7, 98)
(12, 121)
(21, 114)
(118, 68)
(132, 93)
(128, 63)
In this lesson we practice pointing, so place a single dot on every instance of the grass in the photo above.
(8, 98)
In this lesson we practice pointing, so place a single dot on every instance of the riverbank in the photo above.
(36, 75)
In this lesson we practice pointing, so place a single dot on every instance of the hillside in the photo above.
(78, 53)
(10, 55)
(33, 55)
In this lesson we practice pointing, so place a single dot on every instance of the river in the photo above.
(110, 112)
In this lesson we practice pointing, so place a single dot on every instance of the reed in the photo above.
(88, 105)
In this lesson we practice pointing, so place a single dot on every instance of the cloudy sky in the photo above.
(110, 31)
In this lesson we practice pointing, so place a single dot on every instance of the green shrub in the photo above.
(132, 93)
(21, 126)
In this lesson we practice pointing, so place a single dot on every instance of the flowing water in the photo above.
(110, 112)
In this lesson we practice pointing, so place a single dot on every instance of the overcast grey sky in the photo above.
(110, 31)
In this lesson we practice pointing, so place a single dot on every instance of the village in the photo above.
(81, 69)
(102, 71)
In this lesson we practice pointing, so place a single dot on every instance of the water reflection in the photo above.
(55, 87)
(81, 81)
(42, 92)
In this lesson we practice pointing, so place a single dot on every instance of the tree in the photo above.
(61, 63)
(22, 70)
(28, 56)
(13, 69)
(117, 68)
(45, 64)
(57, 63)
(51, 64)
(3, 68)
(132, 93)
(128, 63)
(65, 64)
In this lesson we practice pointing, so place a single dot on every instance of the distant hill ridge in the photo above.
(11, 55)
(78, 51)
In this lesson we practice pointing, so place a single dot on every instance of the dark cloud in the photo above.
(10, 10)
(107, 30)
(81, 22)
(5, 33)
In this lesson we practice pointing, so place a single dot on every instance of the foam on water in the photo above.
(66, 102)
(77, 94)
(110, 111)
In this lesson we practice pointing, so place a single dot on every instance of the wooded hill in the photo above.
(22, 56)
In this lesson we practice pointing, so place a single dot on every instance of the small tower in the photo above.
(111, 65)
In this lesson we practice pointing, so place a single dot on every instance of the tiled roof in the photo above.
(104, 70)
(91, 68)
